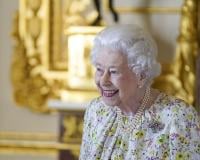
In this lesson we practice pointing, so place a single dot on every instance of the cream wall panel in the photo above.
(163, 27)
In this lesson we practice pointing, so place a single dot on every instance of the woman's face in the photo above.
(115, 81)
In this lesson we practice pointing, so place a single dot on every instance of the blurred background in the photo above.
(46, 77)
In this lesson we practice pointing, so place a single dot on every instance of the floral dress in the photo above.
(168, 130)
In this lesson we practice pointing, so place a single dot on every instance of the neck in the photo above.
(132, 106)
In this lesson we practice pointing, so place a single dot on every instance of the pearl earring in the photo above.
(140, 84)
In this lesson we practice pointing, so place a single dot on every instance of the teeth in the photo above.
(109, 93)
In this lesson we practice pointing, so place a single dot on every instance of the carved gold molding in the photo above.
(73, 126)
(34, 143)
(30, 30)
(28, 136)
(35, 71)
(35, 147)
(179, 77)
(188, 48)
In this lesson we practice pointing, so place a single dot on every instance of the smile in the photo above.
(109, 93)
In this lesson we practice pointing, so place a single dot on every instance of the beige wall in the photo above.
(163, 27)
(13, 118)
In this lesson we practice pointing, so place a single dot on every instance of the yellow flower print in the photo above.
(118, 143)
(183, 140)
(198, 148)
(189, 116)
(165, 155)
(139, 134)
(121, 144)
(98, 158)
(163, 139)
(175, 109)
(118, 157)
(101, 112)
(111, 132)
(94, 135)
(179, 156)
(182, 156)
(165, 101)
(125, 120)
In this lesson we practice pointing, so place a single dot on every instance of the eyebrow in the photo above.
(113, 66)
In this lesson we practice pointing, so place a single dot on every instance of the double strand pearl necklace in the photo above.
(137, 117)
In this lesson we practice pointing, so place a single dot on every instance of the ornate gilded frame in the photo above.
(39, 72)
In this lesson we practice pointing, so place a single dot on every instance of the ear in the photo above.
(141, 79)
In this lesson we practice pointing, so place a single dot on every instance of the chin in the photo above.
(110, 101)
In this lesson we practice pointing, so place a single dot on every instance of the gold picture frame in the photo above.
(41, 71)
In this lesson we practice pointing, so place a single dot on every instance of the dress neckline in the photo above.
(116, 109)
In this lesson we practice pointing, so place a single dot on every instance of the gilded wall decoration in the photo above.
(46, 32)
(179, 77)
(37, 72)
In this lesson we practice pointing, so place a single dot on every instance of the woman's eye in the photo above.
(113, 72)
(99, 70)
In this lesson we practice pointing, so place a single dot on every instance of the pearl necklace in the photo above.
(137, 116)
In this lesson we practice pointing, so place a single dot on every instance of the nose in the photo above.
(105, 79)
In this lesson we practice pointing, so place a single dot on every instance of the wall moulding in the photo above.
(38, 143)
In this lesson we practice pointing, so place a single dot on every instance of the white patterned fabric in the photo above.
(168, 130)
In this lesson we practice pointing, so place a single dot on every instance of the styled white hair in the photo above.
(135, 43)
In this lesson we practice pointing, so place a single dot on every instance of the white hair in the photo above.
(135, 43)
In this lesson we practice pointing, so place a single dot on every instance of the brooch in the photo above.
(156, 126)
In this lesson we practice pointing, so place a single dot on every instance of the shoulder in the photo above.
(92, 106)
(96, 108)
(176, 106)
(177, 111)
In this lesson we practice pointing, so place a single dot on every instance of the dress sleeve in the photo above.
(85, 144)
(184, 138)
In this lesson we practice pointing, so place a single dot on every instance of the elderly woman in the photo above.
(131, 120)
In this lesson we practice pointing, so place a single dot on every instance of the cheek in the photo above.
(126, 85)
(120, 82)
(97, 80)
